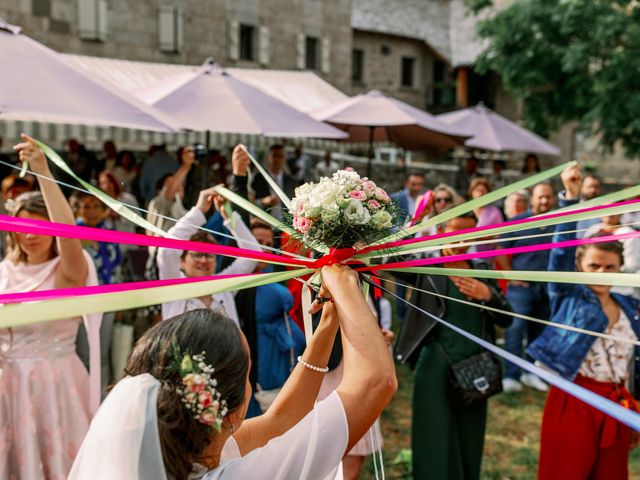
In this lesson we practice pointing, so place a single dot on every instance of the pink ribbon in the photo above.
(57, 293)
(43, 227)
(424, 202)
(523, 221)
(495, 253)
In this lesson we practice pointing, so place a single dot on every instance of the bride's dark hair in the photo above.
(183, 439)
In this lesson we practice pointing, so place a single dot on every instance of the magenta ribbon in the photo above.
(57, 293)
(495, 253)
(44, 227)
(424, 202)
(523, 221)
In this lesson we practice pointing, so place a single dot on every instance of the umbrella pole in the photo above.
(206, 167)
(370, 160)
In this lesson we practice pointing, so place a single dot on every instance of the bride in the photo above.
(179, 414)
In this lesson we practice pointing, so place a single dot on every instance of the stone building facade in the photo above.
(274, 34)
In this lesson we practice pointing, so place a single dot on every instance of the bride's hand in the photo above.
(334, 278)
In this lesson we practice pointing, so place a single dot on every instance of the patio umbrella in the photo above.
(208, 99)
(494, 132)
(374, 117)
(38, 84)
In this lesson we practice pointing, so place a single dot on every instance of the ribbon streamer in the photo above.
(111, 202)
(34, 312)
(478, 202)
(272, 183)
(502, 251)
(518, 315)
(617, 411)
(45, 227)
(539, 221)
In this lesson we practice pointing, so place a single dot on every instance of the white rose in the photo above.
(356, 214)
(325, 194)
(381, 219)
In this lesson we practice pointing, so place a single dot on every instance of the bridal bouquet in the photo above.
(342, 211)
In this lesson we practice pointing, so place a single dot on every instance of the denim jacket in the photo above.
(576, 305)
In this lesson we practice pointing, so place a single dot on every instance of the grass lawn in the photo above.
(511, 442)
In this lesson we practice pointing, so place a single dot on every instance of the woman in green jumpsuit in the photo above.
(447, 436)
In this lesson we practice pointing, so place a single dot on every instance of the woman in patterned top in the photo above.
(577, 440)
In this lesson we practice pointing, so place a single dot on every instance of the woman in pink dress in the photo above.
(44, 388)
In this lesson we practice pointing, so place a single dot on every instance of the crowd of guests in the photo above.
(253, 339)
(448, 434)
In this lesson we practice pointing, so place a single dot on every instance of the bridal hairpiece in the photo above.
(198, 390)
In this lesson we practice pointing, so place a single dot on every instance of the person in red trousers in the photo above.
(578, 441)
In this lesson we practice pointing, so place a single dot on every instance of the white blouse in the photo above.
(608, 360)
(169, 264)
(311, 450)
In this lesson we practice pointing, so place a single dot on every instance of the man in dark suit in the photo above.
(265, 196)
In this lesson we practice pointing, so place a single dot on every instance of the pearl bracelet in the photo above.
(312, 367)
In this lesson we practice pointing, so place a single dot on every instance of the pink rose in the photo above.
(369, 188)
(358, 195)
(205, 399)
(373, 205)
(382, 195)
(302, 224)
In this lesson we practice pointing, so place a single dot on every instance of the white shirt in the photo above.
(311, 450)
(169, 264)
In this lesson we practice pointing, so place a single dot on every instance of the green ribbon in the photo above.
(466, 207)
(111, 202)
(491, 232)
(580, 278)
(19, 314)
(272, 183)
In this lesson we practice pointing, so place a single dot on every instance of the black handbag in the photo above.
(476, 378)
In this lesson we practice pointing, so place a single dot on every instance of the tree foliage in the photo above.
(570, 60)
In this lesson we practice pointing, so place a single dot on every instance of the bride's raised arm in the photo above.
(299, 393)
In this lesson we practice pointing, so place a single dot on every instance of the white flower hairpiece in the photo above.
(198, 391)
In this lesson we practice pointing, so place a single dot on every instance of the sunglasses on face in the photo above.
(444, 200)
(197, 256)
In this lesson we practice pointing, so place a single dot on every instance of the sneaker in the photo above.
(509, 385)
(533, 381)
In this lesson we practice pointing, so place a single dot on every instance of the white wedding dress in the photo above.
(123, 442)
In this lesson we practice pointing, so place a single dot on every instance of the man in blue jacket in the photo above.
(527, 298)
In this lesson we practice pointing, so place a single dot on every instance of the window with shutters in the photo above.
(311, 53)
(171, 27)
(92, 19)
(407, 71)
(247, 42)
(357, 66)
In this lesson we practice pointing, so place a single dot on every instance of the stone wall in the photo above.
(382, 66)
(133, 30)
